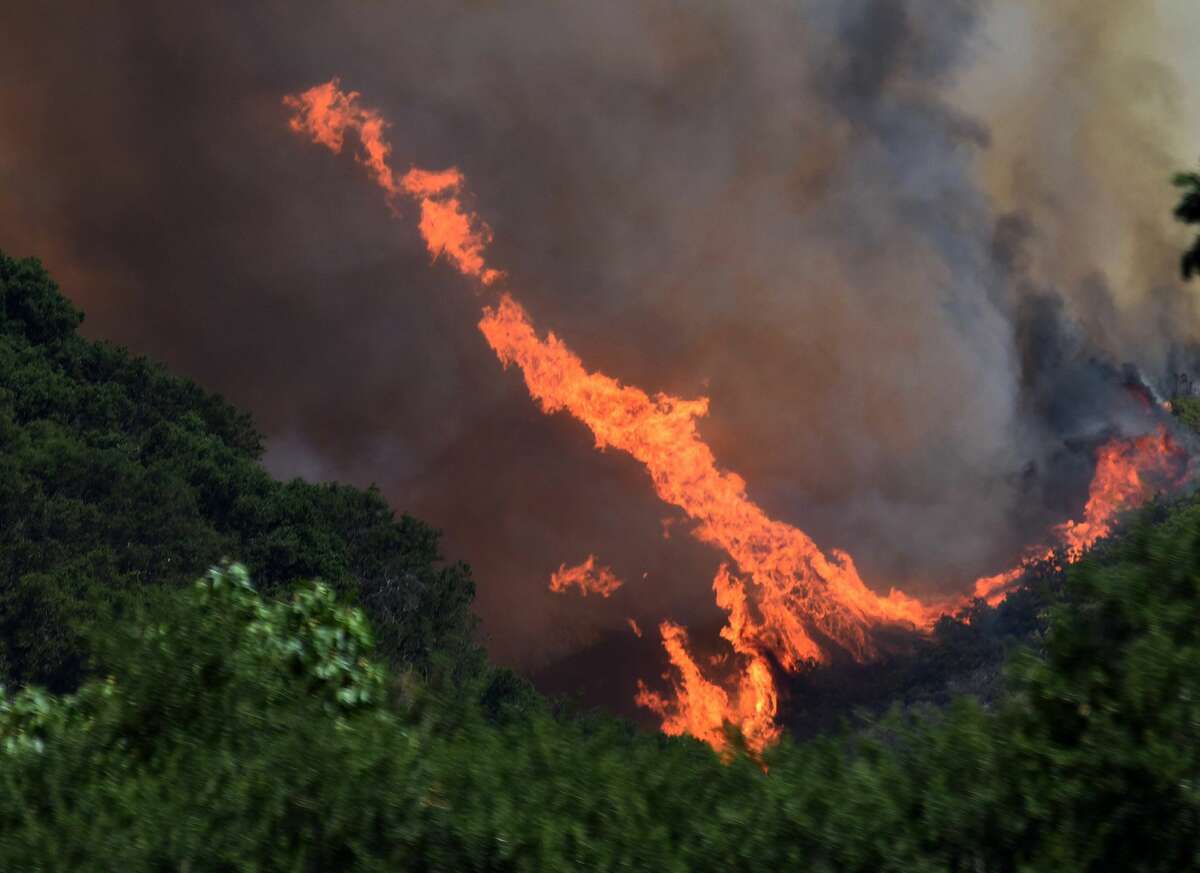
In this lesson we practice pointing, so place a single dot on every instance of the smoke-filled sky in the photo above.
(906, 247)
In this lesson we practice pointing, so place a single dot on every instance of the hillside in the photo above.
(247, 718)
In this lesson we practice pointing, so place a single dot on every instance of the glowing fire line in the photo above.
(789, 593)
(1126, 471)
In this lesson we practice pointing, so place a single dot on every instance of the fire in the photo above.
(589, 578)
(790, 601)
(324, 114)
(635, 627)
(793, 592)
(702, 708)
(1126, 474)
(798, 589)
(1128, 471)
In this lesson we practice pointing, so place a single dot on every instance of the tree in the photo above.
(1188, 211)
(117, 477)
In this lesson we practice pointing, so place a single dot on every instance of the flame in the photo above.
(702, 708)
(792, 601)
(799, 590)
(1126, 474)
(633, 626)
(794, 593)
(1128, 471)
(324, 113)
(589, 578)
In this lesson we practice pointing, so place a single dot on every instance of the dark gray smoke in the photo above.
(794, 207)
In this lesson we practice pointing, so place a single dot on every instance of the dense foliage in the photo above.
(115, 475)
(225, 725)
(238, 733)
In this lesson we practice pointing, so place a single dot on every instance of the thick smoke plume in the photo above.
(913, 251)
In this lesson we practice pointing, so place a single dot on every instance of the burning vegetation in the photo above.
(789, 603)
(1128, 473)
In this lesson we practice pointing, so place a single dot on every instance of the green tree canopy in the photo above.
(238, 731)
(116, 476)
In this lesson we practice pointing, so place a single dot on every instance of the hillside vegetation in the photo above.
(164, 716)
(116, 476)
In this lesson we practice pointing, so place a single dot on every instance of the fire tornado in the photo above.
(789, 603)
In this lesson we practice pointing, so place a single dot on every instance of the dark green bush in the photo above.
(116, 476)
(241, 733)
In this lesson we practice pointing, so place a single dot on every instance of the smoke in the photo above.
(906, 246)
(1090, 114)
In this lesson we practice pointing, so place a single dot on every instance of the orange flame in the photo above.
(702, 708)
(324, 113)
(589, 578)
(794, 591)
(791, 594)
(1127, 473)
(798, 589)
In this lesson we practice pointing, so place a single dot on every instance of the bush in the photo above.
(116, 477)
(243, 733)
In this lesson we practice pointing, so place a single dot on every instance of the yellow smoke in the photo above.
(1092, 106)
